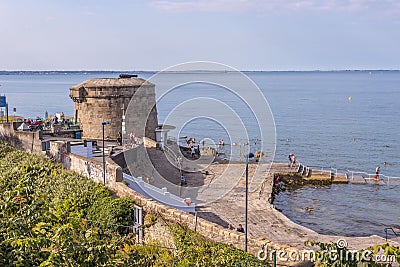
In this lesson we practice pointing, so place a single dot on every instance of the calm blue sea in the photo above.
(347, 120)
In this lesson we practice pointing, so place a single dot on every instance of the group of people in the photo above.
(55, 119)
(132, 139)
(194, 150)
(191, 141)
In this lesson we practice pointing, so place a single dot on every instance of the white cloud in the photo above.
(382, 7)
(202, 5)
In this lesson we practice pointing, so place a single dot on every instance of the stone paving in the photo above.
(264, 221)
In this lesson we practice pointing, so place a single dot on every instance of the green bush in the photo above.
(44, 212)
(195, 250)
(115, 214)
(53, 217)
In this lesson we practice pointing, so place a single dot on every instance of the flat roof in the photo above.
(112, 82)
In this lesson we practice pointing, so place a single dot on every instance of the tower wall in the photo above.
(98, 100)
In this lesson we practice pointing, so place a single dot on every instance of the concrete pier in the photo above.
(267, 223)
(340, 178)
(357, 179)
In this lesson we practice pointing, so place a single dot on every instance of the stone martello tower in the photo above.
(106, 99)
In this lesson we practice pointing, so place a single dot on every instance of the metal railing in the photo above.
(391, 229)
(371, 176)
(351, 173)
(170, 152)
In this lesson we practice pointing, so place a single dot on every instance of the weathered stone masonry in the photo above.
(106, 99)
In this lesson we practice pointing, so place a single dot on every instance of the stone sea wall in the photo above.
(205, 228)
(93, 170)
(25, 140)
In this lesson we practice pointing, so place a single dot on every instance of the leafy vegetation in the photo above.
(331, 254)
(195, 250)
(53, 217)
(47, 215)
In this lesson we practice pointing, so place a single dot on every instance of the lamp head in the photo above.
(105, 122)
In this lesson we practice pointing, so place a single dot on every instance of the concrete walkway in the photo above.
(264, 221)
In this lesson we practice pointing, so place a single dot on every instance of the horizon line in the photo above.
(200, 70)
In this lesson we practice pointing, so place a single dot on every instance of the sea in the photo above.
(345, 120)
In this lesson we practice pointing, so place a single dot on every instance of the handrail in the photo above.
(390, 228)
(170, 151)
(351, 173)
(175, 158)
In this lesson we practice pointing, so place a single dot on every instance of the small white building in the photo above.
(162, 134)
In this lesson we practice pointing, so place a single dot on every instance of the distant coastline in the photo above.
(50, 72)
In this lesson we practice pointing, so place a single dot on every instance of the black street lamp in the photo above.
(247, 203)
(104, 158)
(250, 155)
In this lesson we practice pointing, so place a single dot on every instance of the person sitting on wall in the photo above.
(240, 228)
(278, 182)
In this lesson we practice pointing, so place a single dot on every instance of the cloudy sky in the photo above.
(155, 34)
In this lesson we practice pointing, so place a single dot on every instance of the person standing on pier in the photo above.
(119, 138)
(198, 151)
(193, 150)
(376, 177)
(378, 168)
(290, 159)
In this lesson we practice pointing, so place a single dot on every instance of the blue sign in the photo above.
(3, 101)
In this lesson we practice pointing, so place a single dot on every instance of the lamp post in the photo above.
(104, 157)
(247, 203)
(249, 155)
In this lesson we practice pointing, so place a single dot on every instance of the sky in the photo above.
(155, 34)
